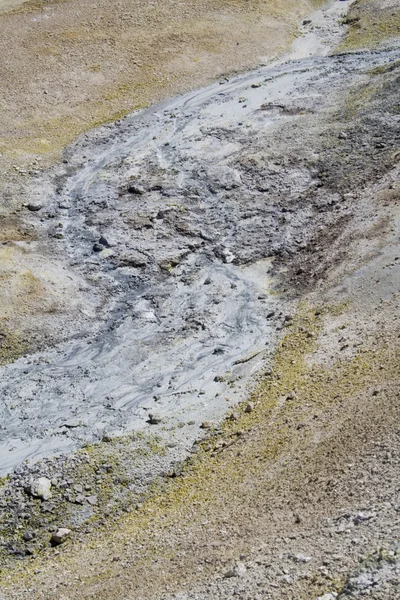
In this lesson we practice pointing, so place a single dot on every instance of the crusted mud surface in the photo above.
(221, 417)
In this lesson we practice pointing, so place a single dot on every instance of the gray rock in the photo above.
(104, 242)
(137, 190)
(155, 418)
(207, 425)
(72, 423)
(224, 177)
(288, 579)
(40, 488)
(301, 558)
(92, 500)
(249, 408)
(60, 536)
(35, 206)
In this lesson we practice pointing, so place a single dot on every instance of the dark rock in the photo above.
(155, 418)
(60, 536)
(35, 206)
(104, 242)
(98, 247)
(136, 189)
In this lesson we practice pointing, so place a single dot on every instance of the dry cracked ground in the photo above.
(200, 301)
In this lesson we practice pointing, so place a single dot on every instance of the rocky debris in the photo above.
(72, 423)
(105, 242)
(301, 558)
(34, 206)
(237, 571)
(207, 425)
(132, 259)
(41, 488)
(60, 536)
(155, 418)
(223, 177)
(249, 407)
(98, 247)
(137, 190)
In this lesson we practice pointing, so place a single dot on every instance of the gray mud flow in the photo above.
(176, 220)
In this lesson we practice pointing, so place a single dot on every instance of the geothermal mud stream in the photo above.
(175, 235)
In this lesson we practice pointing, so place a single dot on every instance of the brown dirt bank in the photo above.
(372, 23)
(68, 66)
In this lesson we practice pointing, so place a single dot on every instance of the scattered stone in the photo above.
(28, 536)
(231, 573)
(41, 488)
(35, 206)
(297, 518)
(155, 418)
(249, 408)
(207, 425)
(307, 21)
(72, 423)
(98, 247)
(301, 558)
(104, 242)
(132, 259)
(60, 536)
(223, 177)
(291, 395)
(136, 189)
(256, 85)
